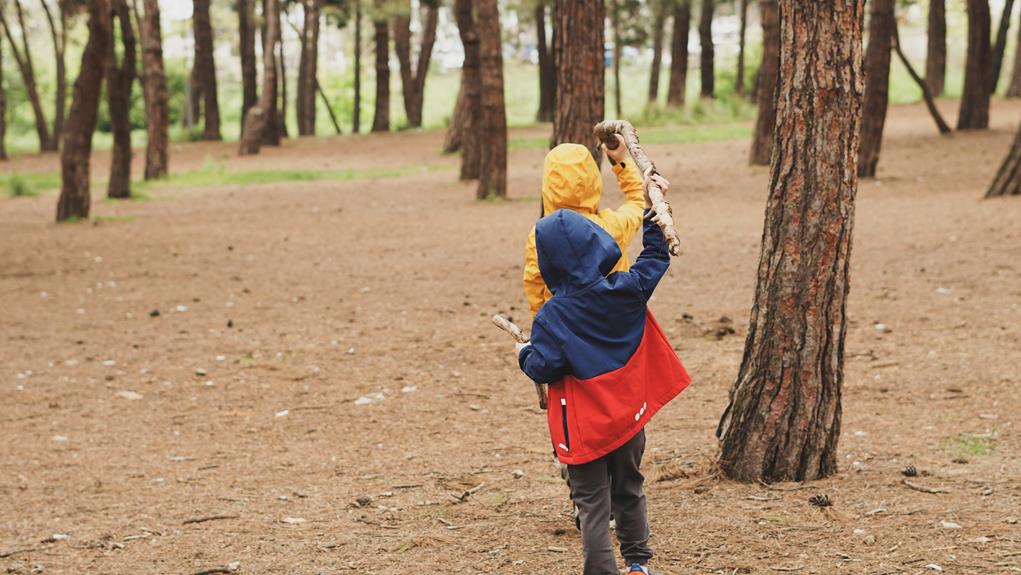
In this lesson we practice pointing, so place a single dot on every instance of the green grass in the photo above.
(104, 219)
(28, 184)
(675, 135)
(974, 444)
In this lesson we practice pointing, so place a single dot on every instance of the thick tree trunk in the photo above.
(75, 199)
(679, 54)
(580, 100)
(413, 80)
(936, 54)
(157, 99)
(356, 116)
(205, 69)
(493, 127)
(1001, 45)
(23, 58)
(762, 142)
(974, 114)
(547, 73)
(119, 81)
(1008, 177)
(471, 91)
(877, 85)
(381, 118)
(705, 38)
(1014, 89)
(259, 119)
(743, 9)
(783, 420)
(658, 32)
(308, 70)
(249, 74)
(59, 36)
(271, 127)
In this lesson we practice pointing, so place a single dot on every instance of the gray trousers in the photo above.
(612, 483)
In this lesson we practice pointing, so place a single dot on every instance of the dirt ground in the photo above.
(229, 428)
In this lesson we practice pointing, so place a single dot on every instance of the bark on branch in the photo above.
(520, 337)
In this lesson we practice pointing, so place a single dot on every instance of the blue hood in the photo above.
(573, 252)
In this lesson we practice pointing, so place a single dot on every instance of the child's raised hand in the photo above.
(520, 346)
(661, 182)
(618, 155)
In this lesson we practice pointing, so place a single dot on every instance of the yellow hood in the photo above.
(571, 180)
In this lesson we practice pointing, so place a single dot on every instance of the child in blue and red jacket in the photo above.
(610, 368)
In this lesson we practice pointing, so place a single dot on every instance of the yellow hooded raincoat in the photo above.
(571, 181)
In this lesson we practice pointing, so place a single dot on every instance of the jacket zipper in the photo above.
(563, 413)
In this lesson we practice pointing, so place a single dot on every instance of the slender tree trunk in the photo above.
(617, 53)
(762, 142)
(936, 58)
(471, 86)
(743, 9)
(455, 131)
(783, 420)
(249, 74)
(59, 38)
(1008, 177)
(413, 80)
(1001, 45)
(547, 73)
(75, 199)
(119, 81)
(157, 102)
(205, 69)
(329, 108)
(356, 119)
(192, 101)
(308, 70)
(493, 127)
(1014, 89)
(580, 74)
(381, 118)
(658, 27)
(259, 119)
(877, 87)
(271, 127)
(930, 102)
(23, 58)
(974, 114)
(705, 36)
(679, 54)
(281, 113)
(3, 104)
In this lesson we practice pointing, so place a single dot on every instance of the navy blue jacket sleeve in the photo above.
(543, 361)
(652, 264)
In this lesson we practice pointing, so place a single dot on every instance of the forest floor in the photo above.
(322, 390)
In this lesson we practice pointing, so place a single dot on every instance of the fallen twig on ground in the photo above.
(208, 518)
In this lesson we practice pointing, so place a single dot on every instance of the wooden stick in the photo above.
(663, 217)
(520, 337)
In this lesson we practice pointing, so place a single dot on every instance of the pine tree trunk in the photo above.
(617, 53)
(936, 58)
(280, 124)
(455, 132)
(677, 90)
(119, 81)
(260, 120)
(75, 199)
(658, 33)
(1014, 89)
(205, 70)
(974, 114)
(705, 37)
(580, 100)
(381, 118)
(192, 101)
(157, 101)
(246, 45)
(547, 73)
(308, 70)
(783, 420)
(493, 126)
(471, 91)
(930, 102)
(1001, 45)
(762, 142)
(877, 85)
(59, 38)
(3, 107)
(23, 58)
(1008, 177)
(413, 80)
(743, 9)
(356, 116)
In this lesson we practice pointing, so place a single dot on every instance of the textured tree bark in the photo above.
(205, 70)
(974, 114)
(658, 32)
(1008, 177)
(493, 125)
(676, 92)
(783, 420)
(259, 120)
(705, 38)
(23, 58)
(1014, 89)
(1001, 45)
(936, 54)
(246, 45)
(74, 199)
(743, 9)
(471, 91)
(59, 36)
(877, 86)
(581, 83)
(930, 102)
(119, 80)
(617, 53)
(762, 142)
(547, 72)
(381, 119)
(356, 115)
(413, 81)
(308, 70)
(157, 99)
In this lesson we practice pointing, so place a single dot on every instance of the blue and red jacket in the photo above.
(608, 363)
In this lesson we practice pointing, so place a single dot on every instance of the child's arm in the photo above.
(652, 264)
(624, 222)
(541, 359)
(535, 287)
